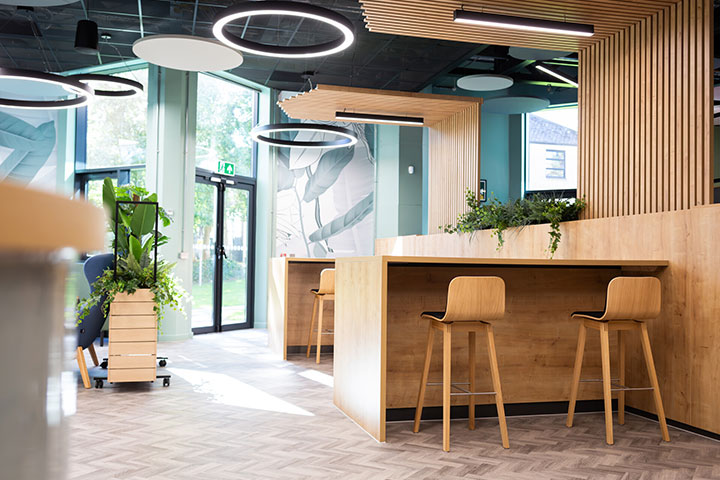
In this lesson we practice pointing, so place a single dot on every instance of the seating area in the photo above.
(372, 239)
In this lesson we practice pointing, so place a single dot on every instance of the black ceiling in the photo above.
(43, 39)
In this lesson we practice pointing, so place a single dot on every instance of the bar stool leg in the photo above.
(654, 381)
(447, 372)
(82, 366)
(312, 325)
(582, 334)
(471, 380)
(621, 377)
(93, 355)
(424, 378)
(606, 381)
(319, 330)
(495, 372)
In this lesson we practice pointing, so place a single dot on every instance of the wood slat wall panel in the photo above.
(454, 160)
(645, 102)
(434, 19)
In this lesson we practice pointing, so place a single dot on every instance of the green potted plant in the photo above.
(136, 239)
(500, 216)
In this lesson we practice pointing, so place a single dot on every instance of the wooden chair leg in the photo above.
(606, 381)
(650, 363)
(447, 385)
(312, 326)
(319, 330)
(424, 378)
(621, 377)
(495, 373)
(577, 370)
(83, 367)
(471, 380)
(93, 355)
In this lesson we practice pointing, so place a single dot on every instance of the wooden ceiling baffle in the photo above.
(454, 125)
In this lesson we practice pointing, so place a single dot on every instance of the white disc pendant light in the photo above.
(246, 10)
(185, 52)
(485, 82)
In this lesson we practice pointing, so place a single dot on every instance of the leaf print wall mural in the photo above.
(325, 198)
(27, 147)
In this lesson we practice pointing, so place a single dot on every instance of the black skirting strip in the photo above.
(489, 410)
(674, 423)
(293, 349)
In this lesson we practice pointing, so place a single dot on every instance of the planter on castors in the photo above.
(132, 347)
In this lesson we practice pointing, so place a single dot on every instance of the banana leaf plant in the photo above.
(136, 240)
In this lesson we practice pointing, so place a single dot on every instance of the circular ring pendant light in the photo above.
(129, 87)
(262, 133)
(83, 93)
(302, 10)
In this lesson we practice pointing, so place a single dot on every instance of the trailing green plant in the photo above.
(136, 240)
(500, 216)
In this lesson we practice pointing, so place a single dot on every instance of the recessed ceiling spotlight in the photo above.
(262, 133)
(523, 23)
(185, 52)
(556, 73)
(83, 93)
(485, 82)
(100, 84)
(294, 9)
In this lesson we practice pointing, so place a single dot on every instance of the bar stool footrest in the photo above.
(462, 390)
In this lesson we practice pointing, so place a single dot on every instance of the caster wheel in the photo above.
(98, 383)
(166, 382)
(104, 365)
(162, 363)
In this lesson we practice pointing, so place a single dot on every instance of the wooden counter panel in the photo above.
(535, 341)
(684, 337)
(359, 359)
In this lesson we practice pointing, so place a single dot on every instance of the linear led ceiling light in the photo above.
(523, 23)
(82, 93)
(294, 9)
(556, 73)
(375, 118)
(126, 86)
(262, 133)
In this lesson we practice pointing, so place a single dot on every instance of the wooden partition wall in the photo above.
(453, 122)
(454, 162)
(646, 114)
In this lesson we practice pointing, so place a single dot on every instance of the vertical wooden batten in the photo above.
(454, 159)
(645, 124)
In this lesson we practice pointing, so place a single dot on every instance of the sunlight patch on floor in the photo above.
(319, 377)
(230, 391)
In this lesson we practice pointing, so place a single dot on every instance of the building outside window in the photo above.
(551, 151)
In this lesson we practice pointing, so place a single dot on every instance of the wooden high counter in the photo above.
(290, 303)
(380, 337)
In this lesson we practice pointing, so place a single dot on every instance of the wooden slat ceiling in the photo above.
(434, 19)
(323, 101)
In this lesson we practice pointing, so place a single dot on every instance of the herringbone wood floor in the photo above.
(234, 412)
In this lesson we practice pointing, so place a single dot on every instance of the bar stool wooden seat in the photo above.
(325, 291)
(630, 301)
(472, 303)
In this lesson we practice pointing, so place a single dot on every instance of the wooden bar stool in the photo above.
(630, 301)
(326, 291)
(472, 303)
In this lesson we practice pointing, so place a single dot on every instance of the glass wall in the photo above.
(551, 151)
(226, 113)
(112, 140)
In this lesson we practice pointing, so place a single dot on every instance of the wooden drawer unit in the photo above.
(132, 348)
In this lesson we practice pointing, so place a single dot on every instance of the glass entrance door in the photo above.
(223, 253)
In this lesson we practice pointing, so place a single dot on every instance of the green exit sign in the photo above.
(226, 168)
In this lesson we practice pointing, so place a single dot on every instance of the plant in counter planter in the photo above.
(500, 216)
(136, 241)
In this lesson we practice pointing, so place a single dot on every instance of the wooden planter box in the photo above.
(133, 338)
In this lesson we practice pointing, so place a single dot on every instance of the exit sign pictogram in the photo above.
(226, 168)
